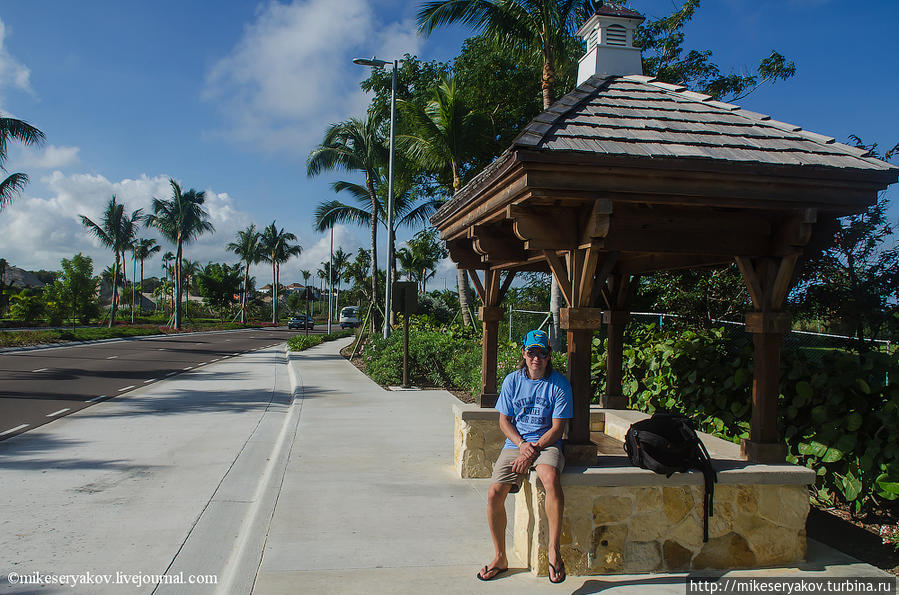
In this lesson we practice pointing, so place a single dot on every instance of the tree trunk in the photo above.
(464, 293)
(243, 304)
(115, 290)
(274, 295)
(177, 296)
(141, 300)
(374, 245)
(555, 304)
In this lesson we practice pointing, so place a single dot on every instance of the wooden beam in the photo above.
(561, 274)
(588, 277)
(752, 281)
(598, 223)
(794, 233)
(491, 287)
(506, 284)
(477, 285)
(783, 281)
(728, 243)
(544, 229)
(461, 252)
(575, 261)
(603, 270)
(645, 263)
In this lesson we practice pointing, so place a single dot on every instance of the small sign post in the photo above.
(405, 302)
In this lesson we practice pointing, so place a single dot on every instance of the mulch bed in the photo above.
(838, 529)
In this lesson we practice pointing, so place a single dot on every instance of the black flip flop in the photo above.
(497, 571)
(558, 571)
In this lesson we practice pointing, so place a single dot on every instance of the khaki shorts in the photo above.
(502, 470)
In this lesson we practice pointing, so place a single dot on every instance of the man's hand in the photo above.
(522, 464)
(527, 457)
(529, 450)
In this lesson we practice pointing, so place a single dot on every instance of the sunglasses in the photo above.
(534, 352)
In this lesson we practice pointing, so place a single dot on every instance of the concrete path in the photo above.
(164, 480)
(370, 502)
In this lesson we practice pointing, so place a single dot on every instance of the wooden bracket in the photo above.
(560, 272)
(544, 228)
(477, 285)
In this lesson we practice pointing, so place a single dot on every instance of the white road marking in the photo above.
(188, 368)
(171, 373)
(15, 429)
(161, 349)
(54, 414)
(96, 398)
(112, 357)
(233, 354)
(202, 364)
(126, 388)
(149, 381)
(215, 360)
(40, 370)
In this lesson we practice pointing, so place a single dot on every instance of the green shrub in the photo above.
(444, 356)
(301, 342)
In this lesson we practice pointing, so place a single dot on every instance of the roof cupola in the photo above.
(609, 34)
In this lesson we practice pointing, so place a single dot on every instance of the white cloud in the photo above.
(52, 157)
(12, 72)
(291, 74)
(38, 232)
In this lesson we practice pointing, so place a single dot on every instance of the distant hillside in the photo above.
(20, 278)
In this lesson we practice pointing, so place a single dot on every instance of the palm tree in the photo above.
(306, 291)
(278, 250)
(189, 271)
(115, 231)
(355, 145)
(528, 29)
(249, 250)
(357, 273)
(181, 220)
(340, 260)
(442, 137)
(143, 249)
(27, 135)
(406, 213)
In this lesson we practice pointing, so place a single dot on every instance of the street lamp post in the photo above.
(330, 267)
(374, 62)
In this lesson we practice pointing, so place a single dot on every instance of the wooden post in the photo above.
(615, 321)
(764, 444)
(490, 317)
(580, 324)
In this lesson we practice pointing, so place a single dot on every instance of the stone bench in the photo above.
(622, 519)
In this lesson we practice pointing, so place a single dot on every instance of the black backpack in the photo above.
(667, 443)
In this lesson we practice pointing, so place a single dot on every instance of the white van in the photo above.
(349, 317)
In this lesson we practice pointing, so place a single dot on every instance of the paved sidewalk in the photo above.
(370, 502)
(162, 480)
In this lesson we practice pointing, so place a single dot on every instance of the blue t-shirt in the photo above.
(532, 404)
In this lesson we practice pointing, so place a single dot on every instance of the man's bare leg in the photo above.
(555, 503)
(496, 519)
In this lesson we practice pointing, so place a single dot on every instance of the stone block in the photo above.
(612, 509)
(676, 556)
(785, 506)
(727, 551)
(647, 526)
(642, 556)
(607, 548)
(677, 502)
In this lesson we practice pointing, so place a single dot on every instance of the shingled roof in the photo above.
(640, 118)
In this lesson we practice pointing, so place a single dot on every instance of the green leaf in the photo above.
(832, 455)
(816, 449)
(741, 376)
(854, 421)
(847, 442)
(851, 486)
(804, 390)
(863, 386)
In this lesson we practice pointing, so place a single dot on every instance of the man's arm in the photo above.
(552, 435)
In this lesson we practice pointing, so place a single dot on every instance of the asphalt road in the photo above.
(42, 385)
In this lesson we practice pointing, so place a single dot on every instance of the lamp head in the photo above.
(370, 62)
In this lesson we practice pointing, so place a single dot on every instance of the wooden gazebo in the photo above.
(626, 176)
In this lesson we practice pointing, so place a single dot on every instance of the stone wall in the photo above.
(477, 440)
(607, 530)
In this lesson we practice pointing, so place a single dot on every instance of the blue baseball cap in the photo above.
(536, 338)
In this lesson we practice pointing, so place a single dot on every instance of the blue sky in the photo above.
(230, 96)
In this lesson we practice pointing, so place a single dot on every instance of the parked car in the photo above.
(301, 321)
(349, 317)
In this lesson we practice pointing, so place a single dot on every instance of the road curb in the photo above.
(239, 574)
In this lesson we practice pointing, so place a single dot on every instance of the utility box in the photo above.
(405, 297)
